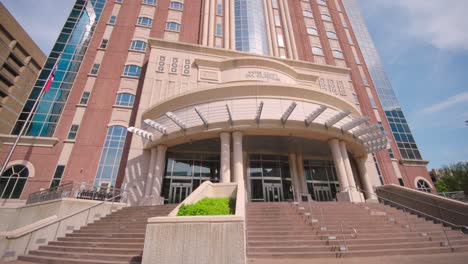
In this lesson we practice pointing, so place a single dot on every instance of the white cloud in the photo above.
(451, 101)
(443, 24)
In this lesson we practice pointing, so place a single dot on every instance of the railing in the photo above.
(55, 228)
(75, 190)
(459, 196)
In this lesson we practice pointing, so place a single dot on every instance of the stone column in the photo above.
(159, 170)
(347, 164)
(370, 194)
(294, 177)
(225, 176)
(150, 176)
(301, 174)
(237, 160)
(339, 164)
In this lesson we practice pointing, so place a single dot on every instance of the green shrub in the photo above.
(207, 206)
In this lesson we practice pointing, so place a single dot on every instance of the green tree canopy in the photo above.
(453, 177)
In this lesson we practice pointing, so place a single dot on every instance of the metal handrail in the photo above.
(409, 208)
(69, 216)
(420, 201)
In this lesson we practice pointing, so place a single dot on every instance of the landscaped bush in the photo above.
(208, 206)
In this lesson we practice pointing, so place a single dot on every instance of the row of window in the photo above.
(129, 70)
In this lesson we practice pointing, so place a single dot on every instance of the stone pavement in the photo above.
(448, 258)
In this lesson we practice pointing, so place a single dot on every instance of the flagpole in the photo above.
(23, 128)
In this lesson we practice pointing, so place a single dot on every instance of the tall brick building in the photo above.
(287, 96)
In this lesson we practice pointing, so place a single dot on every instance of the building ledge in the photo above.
(48, 142)
(408, 162)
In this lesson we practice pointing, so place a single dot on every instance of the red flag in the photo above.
(51, 78)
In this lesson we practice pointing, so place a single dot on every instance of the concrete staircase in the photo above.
(116, 238)
(333, 230)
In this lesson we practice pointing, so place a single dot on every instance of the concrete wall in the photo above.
(34, 225)
(199, 239)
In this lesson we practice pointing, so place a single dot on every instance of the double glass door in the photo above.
(273, 192)
(179, 191)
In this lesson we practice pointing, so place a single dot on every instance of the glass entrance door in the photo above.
(270, 180)
(179, 191)
(322, 193)
(273, 192)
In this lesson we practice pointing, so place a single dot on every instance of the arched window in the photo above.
(312, 31)
(337, 54)
(125, 99)
(174, 26)
(12, 181)
(145, 21)
(111, 155)
(149, 2)
(424, 186)
(326, 17)
(322, 2)
(138, 45)
(332, 35)
(132, 71)
(317, 51)
(176, 5)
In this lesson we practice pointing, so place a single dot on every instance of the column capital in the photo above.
(333, 141)
(161, 147)
(224, 134)
(237, 134)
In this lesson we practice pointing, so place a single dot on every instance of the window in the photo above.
(277, 20)
(173, 26)
(317, 51)
(307, 13)
(332, 35)
(423, 186)
(95, 69)
(322, 2)
(219, 9)
(400, 180)
(132, 71)
(119, 1)
(149, 2)
(84, 98)
(312, 31)
(280, 41)
(219, 30)
(112, 20)
(274, 3)
(145, 21)
(337, 54)
(57, 176)
(372, 102)
(104, 44)
(73, 131)
(12, 181)
(138, 45)
(176, 5)
(326, 17)
(111, 155)
(125, 99)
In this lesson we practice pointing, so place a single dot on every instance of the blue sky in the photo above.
(423, 44)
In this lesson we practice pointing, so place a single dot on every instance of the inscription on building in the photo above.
(262, 75)
(332, 86)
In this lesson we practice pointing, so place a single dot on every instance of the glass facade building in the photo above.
(70, 47)
(398, 123)
(250, 26)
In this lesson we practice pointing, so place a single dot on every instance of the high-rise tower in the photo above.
(287, 96)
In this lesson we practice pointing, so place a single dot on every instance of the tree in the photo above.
(453, 177)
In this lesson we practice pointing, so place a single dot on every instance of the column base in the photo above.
(350, 196)
(151, 200)
(372, 200)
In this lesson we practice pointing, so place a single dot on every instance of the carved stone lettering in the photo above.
(261, 75)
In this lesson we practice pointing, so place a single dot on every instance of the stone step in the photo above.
(99, 239)
(107, 235)
(362, 253)
(52, 260)
(93, 250)
(107, 257)
(96, 244)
